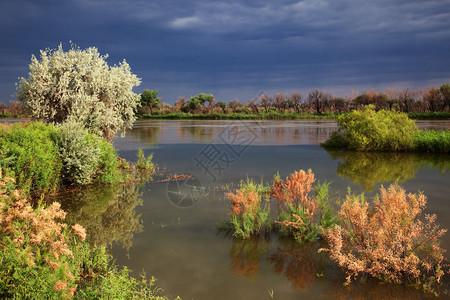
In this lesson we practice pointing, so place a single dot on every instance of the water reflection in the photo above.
(302, 267)
(246, 254)
(269, 132)
(107, 213)
(373, 289)
(297, 263)
(208, 131)
(370, 169)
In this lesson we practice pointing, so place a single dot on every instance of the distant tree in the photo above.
(197, 102)
(234, 105)
(180, 105)
(266, 101)
(15, 108)
(295, 101)
(406, 100)
(252, 105)
(280, 101)
(445, 92)
(149, 100)
(434, 99)
(339, 104)
(222, 105)
(317, 97)
(79, 85)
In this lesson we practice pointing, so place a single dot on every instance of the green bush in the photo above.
(79, 152)
(29, 152)
(368, 130)
(432, 141)
(108, 167)
(41, 156)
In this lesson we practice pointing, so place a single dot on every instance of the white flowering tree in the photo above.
(80, 86)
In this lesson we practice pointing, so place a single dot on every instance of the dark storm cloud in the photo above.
(239, 48)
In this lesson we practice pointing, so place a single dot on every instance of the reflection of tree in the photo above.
(369, 168)
(201, 133)
(245, 255)
(296, 262)
(148, 133)
(107, 213)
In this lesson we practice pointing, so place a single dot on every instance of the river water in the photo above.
(169, 229)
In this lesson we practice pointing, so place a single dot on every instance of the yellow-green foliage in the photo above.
(29, 153)
(370, 130)
(79, 84)
(432, 141)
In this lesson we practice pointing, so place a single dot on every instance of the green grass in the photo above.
(442, 115)
(432, 141)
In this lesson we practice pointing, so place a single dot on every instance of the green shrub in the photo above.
(368, 130)
(108, 167)
(249, 210)
(432, 141)
(30, 153)
(79, 152)
(145, 163)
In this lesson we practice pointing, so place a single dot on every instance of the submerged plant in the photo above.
(249, 210)
(387, 240)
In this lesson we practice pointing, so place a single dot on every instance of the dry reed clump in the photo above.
(297, 207)
(387, 240)
(35, 239)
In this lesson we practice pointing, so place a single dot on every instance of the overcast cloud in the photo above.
(237, 49)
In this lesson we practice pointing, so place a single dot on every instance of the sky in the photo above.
(239, 49)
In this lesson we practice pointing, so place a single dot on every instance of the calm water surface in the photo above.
(170, 229)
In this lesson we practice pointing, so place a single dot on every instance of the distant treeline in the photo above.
(428, 103)
(418, 103)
